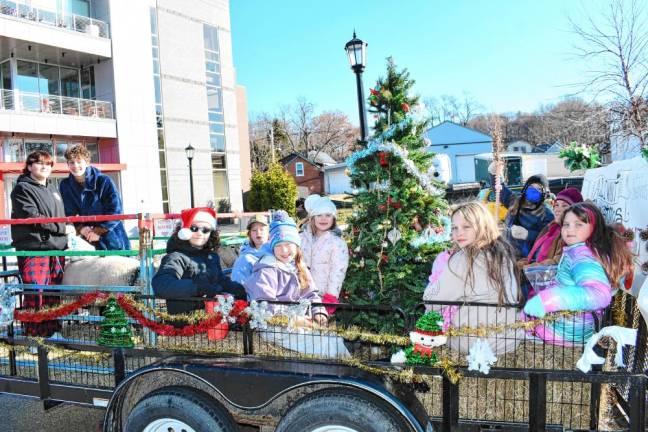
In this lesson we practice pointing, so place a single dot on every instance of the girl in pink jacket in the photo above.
(325, 252)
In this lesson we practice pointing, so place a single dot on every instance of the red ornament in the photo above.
(374, 92)
(382, 208)
(384, 259)
(383, 159)
(405, 107)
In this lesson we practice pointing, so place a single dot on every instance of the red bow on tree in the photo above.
(383, 159)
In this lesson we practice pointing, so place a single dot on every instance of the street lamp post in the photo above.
(357, 51)
(189, 151)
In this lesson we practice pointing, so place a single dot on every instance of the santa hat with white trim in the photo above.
(193, 215)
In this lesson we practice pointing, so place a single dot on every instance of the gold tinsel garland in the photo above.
(56, 350)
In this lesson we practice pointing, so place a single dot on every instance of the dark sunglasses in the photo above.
(203, 230)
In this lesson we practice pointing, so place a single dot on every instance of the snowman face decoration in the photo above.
(428, 340)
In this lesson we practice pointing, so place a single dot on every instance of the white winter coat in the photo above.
(327, 257)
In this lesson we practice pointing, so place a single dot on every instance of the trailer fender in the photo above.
(247, 384)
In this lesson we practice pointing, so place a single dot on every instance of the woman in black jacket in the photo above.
(191, 267)
(34, 196)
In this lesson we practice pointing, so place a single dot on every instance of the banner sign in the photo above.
(620, 190)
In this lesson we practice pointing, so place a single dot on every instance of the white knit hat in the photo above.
(318, 205)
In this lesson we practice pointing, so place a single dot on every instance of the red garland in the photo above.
(188, 330)
(66, 309)
(132, 311)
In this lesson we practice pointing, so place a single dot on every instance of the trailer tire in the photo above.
(177, 408)
(342, 409)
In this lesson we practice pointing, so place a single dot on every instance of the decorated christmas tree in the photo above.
(398, 224)
(115, 330)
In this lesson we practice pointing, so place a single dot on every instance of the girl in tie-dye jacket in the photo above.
(594, 262)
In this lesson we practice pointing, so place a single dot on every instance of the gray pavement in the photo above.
(27, 415)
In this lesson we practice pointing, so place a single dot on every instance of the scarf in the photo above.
(544, 243)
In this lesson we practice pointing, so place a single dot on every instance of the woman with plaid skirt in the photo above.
(34, 196)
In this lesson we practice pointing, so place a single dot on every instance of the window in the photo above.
(27, 78)
(87, 83)
(210, 34)
(6, 75)
(32, 146)
(217, 142)
(218, 161)
(220, 184)
(93, 148)
(70, 85)
(61, 147)
(299, 169)
(13, 150)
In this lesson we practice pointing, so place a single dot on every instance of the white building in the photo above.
(519, 146)
(136, 82)
(461, 144)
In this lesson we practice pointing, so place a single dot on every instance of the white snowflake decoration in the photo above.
(294, 312)
(259, 314)
(7, 306)
(224, 305)
(481, 357)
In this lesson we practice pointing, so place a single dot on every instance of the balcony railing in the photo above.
(79, 23)
(15, 100)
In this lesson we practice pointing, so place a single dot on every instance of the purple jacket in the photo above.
(273, 280)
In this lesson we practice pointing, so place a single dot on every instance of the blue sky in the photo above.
(510, 55)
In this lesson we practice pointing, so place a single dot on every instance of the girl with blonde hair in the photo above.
(480, 268)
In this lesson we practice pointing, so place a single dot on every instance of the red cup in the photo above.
(219, 331)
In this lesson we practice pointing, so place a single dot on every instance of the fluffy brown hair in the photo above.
(78, 152)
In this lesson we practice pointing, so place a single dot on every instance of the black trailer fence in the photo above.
(531, 386)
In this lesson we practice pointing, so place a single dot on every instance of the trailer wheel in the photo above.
(340, 411)
(179, 409)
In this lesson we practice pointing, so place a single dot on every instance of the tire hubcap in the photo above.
(334, 428)
(168, 425)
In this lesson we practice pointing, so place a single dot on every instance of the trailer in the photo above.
(193, 376)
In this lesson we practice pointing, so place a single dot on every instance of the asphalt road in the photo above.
(27, 415)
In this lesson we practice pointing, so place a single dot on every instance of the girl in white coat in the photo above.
(325, 252)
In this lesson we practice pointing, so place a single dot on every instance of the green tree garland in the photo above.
(391, 201)
(115, 329)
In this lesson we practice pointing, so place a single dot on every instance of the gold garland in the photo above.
(353, 333)
(489, 329)
(618, 310)
(56, 350)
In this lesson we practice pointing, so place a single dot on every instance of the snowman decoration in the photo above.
(427, 335)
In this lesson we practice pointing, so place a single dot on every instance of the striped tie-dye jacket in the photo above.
(581, 284)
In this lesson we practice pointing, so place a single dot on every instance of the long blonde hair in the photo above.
(302, 270)
(498, 253)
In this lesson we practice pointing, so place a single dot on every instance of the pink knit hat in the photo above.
(570, 195)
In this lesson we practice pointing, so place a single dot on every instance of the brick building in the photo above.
(307, 172)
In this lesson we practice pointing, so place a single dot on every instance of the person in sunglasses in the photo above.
(191, 267)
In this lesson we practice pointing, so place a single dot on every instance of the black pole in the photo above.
(361, 104)
(191, 182)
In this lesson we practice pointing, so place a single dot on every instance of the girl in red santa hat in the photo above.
(191, 267)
